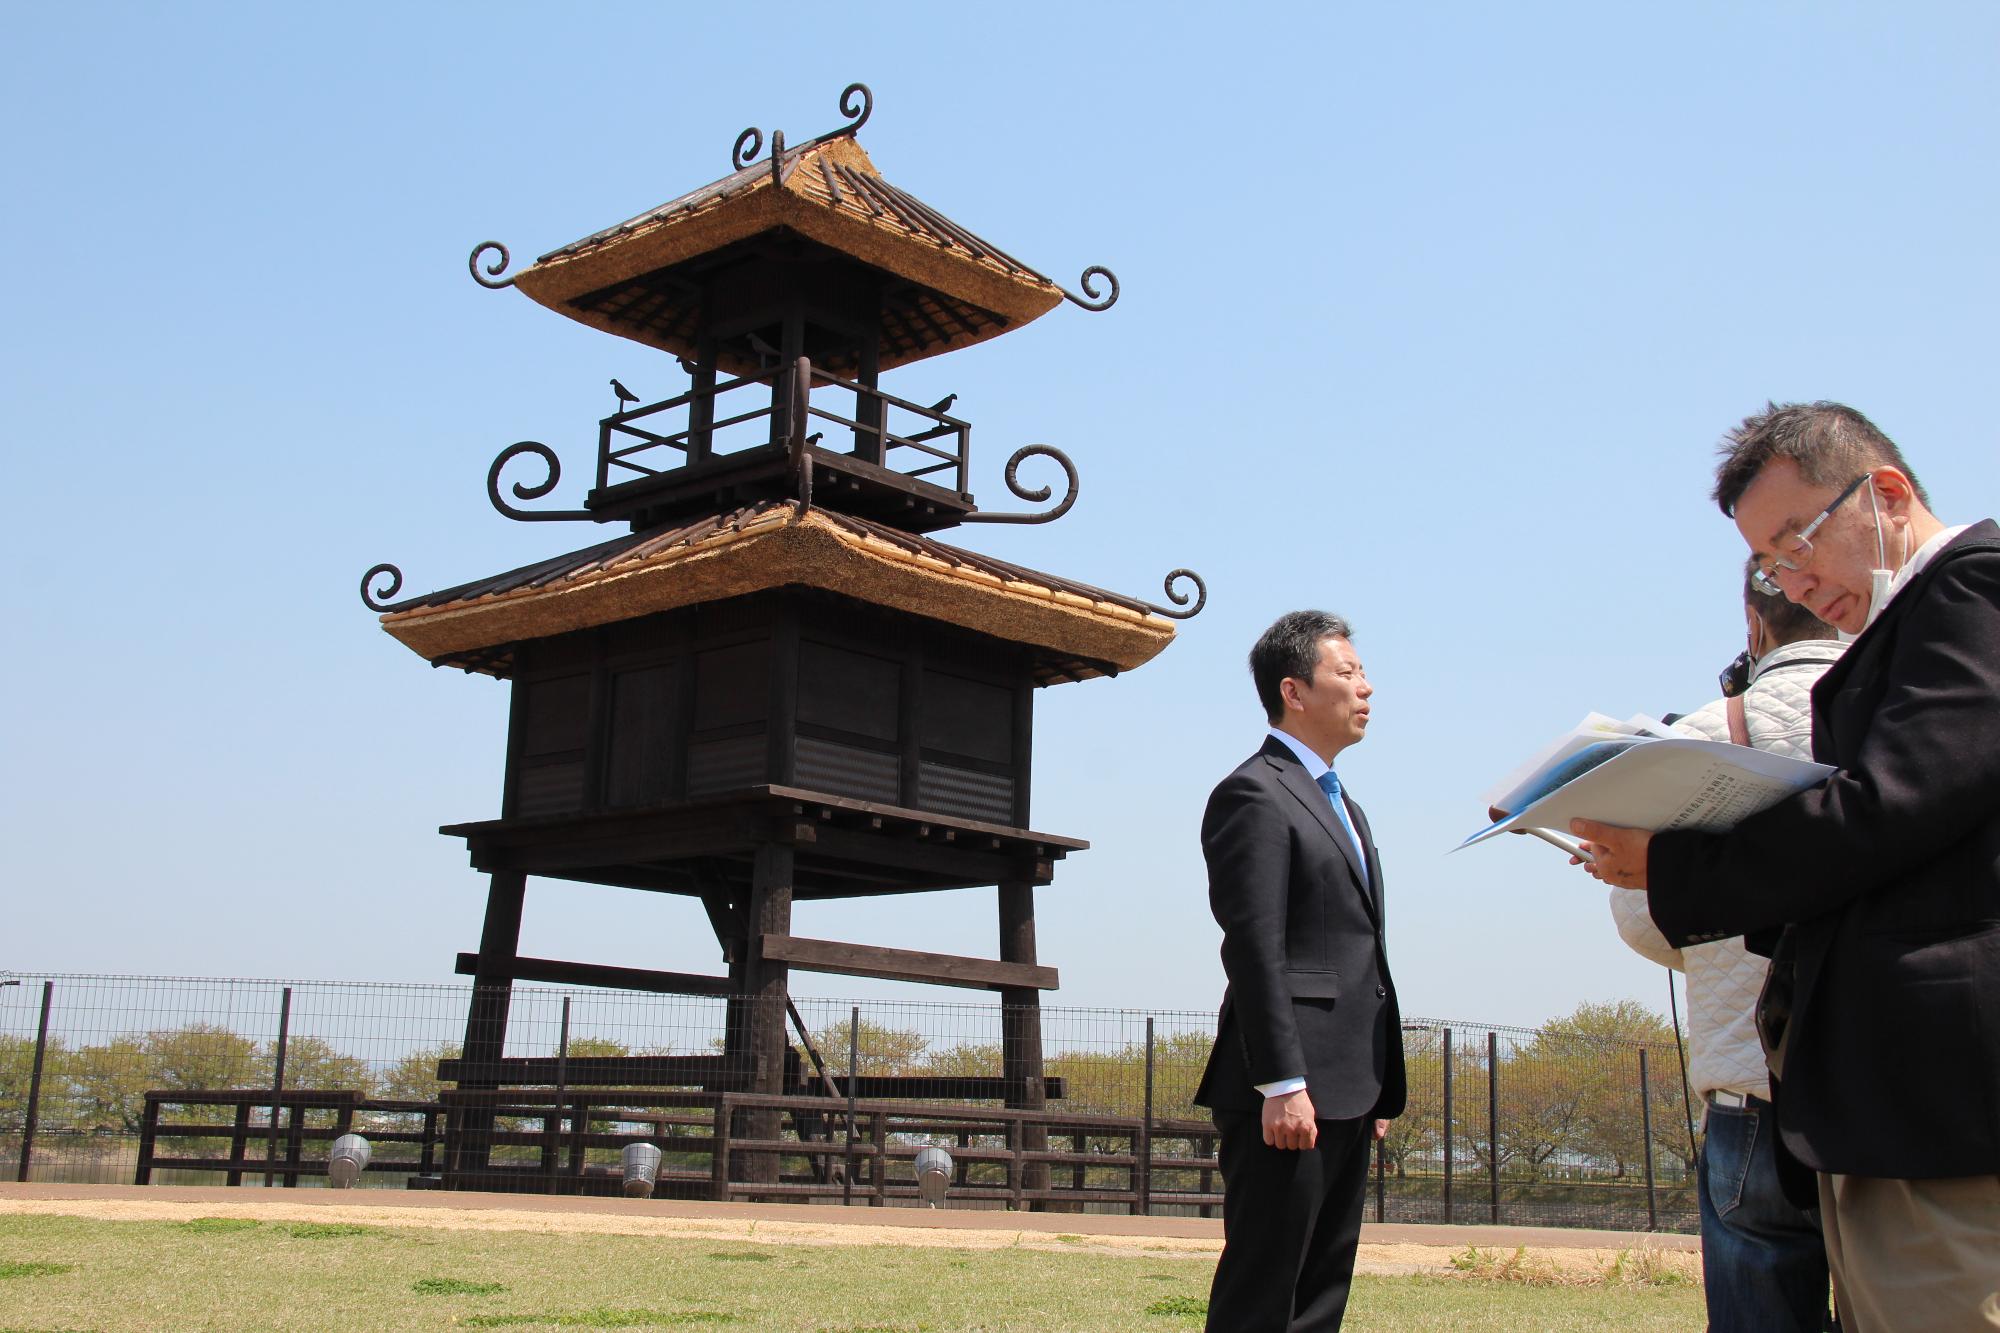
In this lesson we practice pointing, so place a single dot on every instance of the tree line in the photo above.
(1568, 1093)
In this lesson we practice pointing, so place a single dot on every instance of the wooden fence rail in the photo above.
(1115, 1160)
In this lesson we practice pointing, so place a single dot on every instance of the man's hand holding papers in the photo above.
(1614, 783)
(1616, 855)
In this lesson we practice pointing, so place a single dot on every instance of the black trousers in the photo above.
(1290, 1225)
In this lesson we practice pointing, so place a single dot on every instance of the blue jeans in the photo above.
(1763, 1260)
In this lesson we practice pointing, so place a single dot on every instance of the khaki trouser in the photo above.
(1913, 1255)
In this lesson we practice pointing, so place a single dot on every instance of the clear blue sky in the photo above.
(1431, 317)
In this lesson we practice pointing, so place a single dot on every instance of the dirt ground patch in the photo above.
(1540, 1263)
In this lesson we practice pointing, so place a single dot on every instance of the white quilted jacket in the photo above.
(1724, 978)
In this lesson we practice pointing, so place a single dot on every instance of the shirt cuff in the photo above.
(1282, 1087)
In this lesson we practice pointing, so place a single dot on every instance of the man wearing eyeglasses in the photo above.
(1876, 894)
(1763, 1261)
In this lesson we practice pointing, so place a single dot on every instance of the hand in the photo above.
(1381, 1129)
(1289, 1121)
(1620, 852)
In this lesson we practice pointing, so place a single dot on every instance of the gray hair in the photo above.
(1831, 443)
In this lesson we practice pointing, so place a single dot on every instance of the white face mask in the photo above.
(1881, 579)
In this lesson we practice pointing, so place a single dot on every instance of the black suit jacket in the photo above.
(1878, 893)
(1309, 988)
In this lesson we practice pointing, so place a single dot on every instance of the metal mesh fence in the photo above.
(175, 1081)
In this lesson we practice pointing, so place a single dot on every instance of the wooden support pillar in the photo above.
(486, 1018)
(737, 1059)
(701, 412)
(791, 346)
(869, 414)
(1021, 1030)
(725, 917)
(761, 1039)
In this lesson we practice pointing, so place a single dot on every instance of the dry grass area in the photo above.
(1543, 1266)
(1642, 1265)
(258, 1263)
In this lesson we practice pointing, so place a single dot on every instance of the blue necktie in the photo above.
(1329, 782)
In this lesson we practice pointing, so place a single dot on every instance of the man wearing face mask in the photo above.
(1876, 894)
(1763, 1263)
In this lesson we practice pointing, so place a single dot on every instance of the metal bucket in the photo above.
(642, 1168)
(346, 1160)
(933, 1175)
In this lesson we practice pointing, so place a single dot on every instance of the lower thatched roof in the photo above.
(1079, 631)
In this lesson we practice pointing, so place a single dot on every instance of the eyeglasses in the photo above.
(1798, 548)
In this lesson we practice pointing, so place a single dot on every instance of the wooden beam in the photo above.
(557, 973)
(596, 1071)
(661, 1071)
(901, 851)
(937, 969)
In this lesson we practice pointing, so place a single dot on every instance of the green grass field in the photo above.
(60, 1273)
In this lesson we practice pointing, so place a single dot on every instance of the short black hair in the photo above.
(1831, 443)
(1290, 648)
(1788, 621)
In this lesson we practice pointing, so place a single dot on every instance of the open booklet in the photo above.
(1637, 774)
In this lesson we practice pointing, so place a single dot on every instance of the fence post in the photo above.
(553, 1126)
(1381, 1177)
(427, 1160)
(1204, 1148)
(278, 1083)
(878, 1139)
(853, 1058)
(1646, 1128)
(149, 1129)
(1016, 1169)
(718, 1164)
(35, 1083)
(1493, 1121)
(239, 1144)
(1144, 1173)
(1447, 1125)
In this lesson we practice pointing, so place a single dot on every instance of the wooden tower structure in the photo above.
(775, 685)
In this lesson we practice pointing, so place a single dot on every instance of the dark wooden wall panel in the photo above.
(848, 770)
(720, 765)
(780, 687)
(732, 685)
(851, 691)
(966, 793)
(556, 716)
(639, 736)
(550, 789)
(968, 717)
(739, 615)
(550, 769)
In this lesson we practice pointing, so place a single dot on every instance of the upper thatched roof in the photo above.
(638, 279)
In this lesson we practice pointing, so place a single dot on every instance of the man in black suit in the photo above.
(1308, 1059)
(1877, 894)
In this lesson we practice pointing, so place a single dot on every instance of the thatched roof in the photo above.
(1079, 631)
(947, 288)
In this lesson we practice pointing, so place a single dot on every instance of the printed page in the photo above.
(1532, 778)
(1669, 784)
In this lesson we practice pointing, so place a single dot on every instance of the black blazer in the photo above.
(1879, 892)
(1309, 988)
